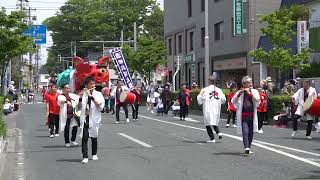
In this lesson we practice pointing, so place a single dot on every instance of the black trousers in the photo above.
(166, 106)
(112, 105)
(53, 122)
(233, 115)
(261, 118)
(84, 143)
(135, 110)
(67, 133)
(295, 124)
(125, 108)
(210, 133)
(183, 111)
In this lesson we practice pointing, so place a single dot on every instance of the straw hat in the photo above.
(7, 100)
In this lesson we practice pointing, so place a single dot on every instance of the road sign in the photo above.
(189, 58)
(38, 33)
(237, 17)
(193, 72)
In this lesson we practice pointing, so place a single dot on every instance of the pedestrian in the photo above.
(7, 107)
(112, 101)
(166, 98)
(53, 110)
(135, 106)
(299, 98)
(150, 98)
(92, 103)
(211, 98)
(68, 102)
(262, 109)
(106, 94)
(116, 92)
(231, 109)
(184, 99)
(246, 101)
(284, 116)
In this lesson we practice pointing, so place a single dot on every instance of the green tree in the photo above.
(12, 43)
(153, 25)
(151, 52)
(310, 71)
(280, 29)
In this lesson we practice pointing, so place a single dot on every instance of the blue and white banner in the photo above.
(121, 65)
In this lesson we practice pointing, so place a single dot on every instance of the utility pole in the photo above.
(175, 74)
(206, 59)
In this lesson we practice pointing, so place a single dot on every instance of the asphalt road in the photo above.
(156, 148)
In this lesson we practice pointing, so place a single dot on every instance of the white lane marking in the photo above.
(284, 147)
(188, 119)
(135, 140)
(240, 139)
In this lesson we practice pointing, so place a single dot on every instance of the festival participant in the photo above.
(92, 103)
(262, 109)
(211, 97)
(166, 98)
(53, 110)
(231, 109)
(106, 94)
(135, 106)
(68, 102)
(299, 98)
(116, 92)
(150, 98)
(183, 98)
(246, 101)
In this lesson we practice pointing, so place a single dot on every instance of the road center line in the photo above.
(240, 139)
(135, 140)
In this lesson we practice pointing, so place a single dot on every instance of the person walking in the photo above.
(183, 98)
(116, 92)
(135, 106)
(68, 102)
(106, 94)
(150, 98)
(92, 103)
(299, 98)
(262, 109)
(231, 109)
(53, 110)
(211, 98)
(246, 101)
(166, 98)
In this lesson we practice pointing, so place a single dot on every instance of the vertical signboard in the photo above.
(237, 17)
(302, 35)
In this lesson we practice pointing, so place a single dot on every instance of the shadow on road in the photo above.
(316, 176)
(303, 138)
(69, 160)
(42, 136)
(59, 146)
(230, 154)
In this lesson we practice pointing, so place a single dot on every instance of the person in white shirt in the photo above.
(116, 93)
(211, 97)
(92, 103)
(7, 107)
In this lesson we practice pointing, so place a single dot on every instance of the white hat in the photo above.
(268, 79)
(7, 100)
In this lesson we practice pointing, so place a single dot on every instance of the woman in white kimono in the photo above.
(90, 118)
(68, 102)
(246, 101)
(299, 98)
(211, 97)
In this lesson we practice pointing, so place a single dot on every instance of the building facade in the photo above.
(184, 25)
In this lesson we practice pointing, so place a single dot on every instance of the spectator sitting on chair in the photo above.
(7, 107)
(284, 116)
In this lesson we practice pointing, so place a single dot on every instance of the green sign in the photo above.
(189, 58)
(237, 17)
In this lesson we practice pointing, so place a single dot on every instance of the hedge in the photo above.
(3, 126)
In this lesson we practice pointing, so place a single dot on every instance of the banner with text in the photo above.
(122, 68)
(237, 17)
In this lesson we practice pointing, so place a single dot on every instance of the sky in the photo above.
(44, 9)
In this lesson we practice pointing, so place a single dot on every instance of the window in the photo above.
(170, 46)
(191, 41)
(180, 44)
(218, 31)
(189, 8)
(202, 5)
(202, 37)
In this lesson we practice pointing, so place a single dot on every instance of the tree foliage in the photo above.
(280, 29)
(12, 42)
(153, 25)
(312, 71)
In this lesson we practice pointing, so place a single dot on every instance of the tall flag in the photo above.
(122, 68)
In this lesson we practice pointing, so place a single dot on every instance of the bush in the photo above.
(276, 104)
(3, 126)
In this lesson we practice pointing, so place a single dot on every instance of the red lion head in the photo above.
(98, 71)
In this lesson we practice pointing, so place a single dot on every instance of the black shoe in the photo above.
(247, 151)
